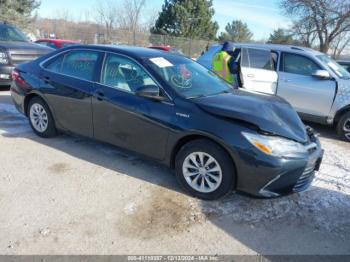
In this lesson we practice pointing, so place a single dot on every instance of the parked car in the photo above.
(167, 48)
(15, 48)
(191, 120)
(315, 85)
(56, 43)
(345, 64)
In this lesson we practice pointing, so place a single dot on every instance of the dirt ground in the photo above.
(70, 195)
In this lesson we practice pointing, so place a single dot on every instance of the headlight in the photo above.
(273, 145)
(3, 58)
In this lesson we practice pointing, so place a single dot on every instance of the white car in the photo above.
(315, 85)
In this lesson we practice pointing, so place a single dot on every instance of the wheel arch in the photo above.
(30, 97)
(340, 113)
(191, 137)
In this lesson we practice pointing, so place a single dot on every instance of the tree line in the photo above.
(321, 24)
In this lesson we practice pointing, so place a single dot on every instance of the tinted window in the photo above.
(9, 33)
(258, 59)
(80, 64)
(42, 43)
(300, 65)
(122, 73)
(55, 65)
(52, 45)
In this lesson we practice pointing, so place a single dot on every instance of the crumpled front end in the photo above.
(278, 176)
(342, 98)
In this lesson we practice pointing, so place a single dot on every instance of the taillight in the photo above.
(17, 78)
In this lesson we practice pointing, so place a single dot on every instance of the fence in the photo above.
(93, 34)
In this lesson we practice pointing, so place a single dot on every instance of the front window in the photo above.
(189, 79)
(334, 67)
(9, 33)
(121, 73)
(299, 65)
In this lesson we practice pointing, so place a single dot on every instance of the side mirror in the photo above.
(149, 91)
(322, 74)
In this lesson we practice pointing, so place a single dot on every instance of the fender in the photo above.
(340, 112)
(176, 142)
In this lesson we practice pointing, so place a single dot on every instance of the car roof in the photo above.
(132, 51)
(276, 47)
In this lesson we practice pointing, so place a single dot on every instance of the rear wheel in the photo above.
(40, 118)
(343, 127)
(205, 170)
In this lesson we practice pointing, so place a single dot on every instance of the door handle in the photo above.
(99, 95)
(287, 80)
(250, 75)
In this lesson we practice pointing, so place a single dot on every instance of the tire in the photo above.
(40, 118)
(343, 127)
(215, 185)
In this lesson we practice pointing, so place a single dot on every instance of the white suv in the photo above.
(314, 84)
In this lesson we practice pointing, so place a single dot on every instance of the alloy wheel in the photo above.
(346, 128)
(39, 117)
(202, 172)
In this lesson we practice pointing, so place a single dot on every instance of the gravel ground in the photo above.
(70, 195)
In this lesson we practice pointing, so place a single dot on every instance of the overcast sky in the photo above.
(262, 17)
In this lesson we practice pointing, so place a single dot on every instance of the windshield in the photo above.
(335, 67)
(189, 79)
(9, 33)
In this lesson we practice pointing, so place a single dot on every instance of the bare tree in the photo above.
(130, 17)
(339, 44)
(327, 19)
(106, 13)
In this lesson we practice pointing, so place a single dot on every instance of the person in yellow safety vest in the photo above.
(221, 63)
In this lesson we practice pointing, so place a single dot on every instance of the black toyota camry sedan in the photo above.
(173, 110)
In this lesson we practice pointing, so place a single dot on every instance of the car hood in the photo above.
(25, 46)
(270, 113)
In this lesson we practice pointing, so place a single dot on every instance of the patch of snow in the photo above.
(11, 121)
(325, 205)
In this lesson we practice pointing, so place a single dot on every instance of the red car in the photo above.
(56, 43)
(166, 48)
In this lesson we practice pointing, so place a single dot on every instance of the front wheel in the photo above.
(343, 127)
(205, 170)
(40, 118)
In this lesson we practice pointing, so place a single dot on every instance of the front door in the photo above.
(125, 119)
(258, 70)
(307, 94)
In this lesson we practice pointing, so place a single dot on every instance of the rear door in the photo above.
(258, 70)
(67, 82)
(307, 94)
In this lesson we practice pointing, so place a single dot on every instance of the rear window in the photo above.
(258, 59)
(79, 64)
(9, 33)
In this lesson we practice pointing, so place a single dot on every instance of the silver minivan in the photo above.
(315, 85)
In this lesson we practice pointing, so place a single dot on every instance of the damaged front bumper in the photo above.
(278, 176)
